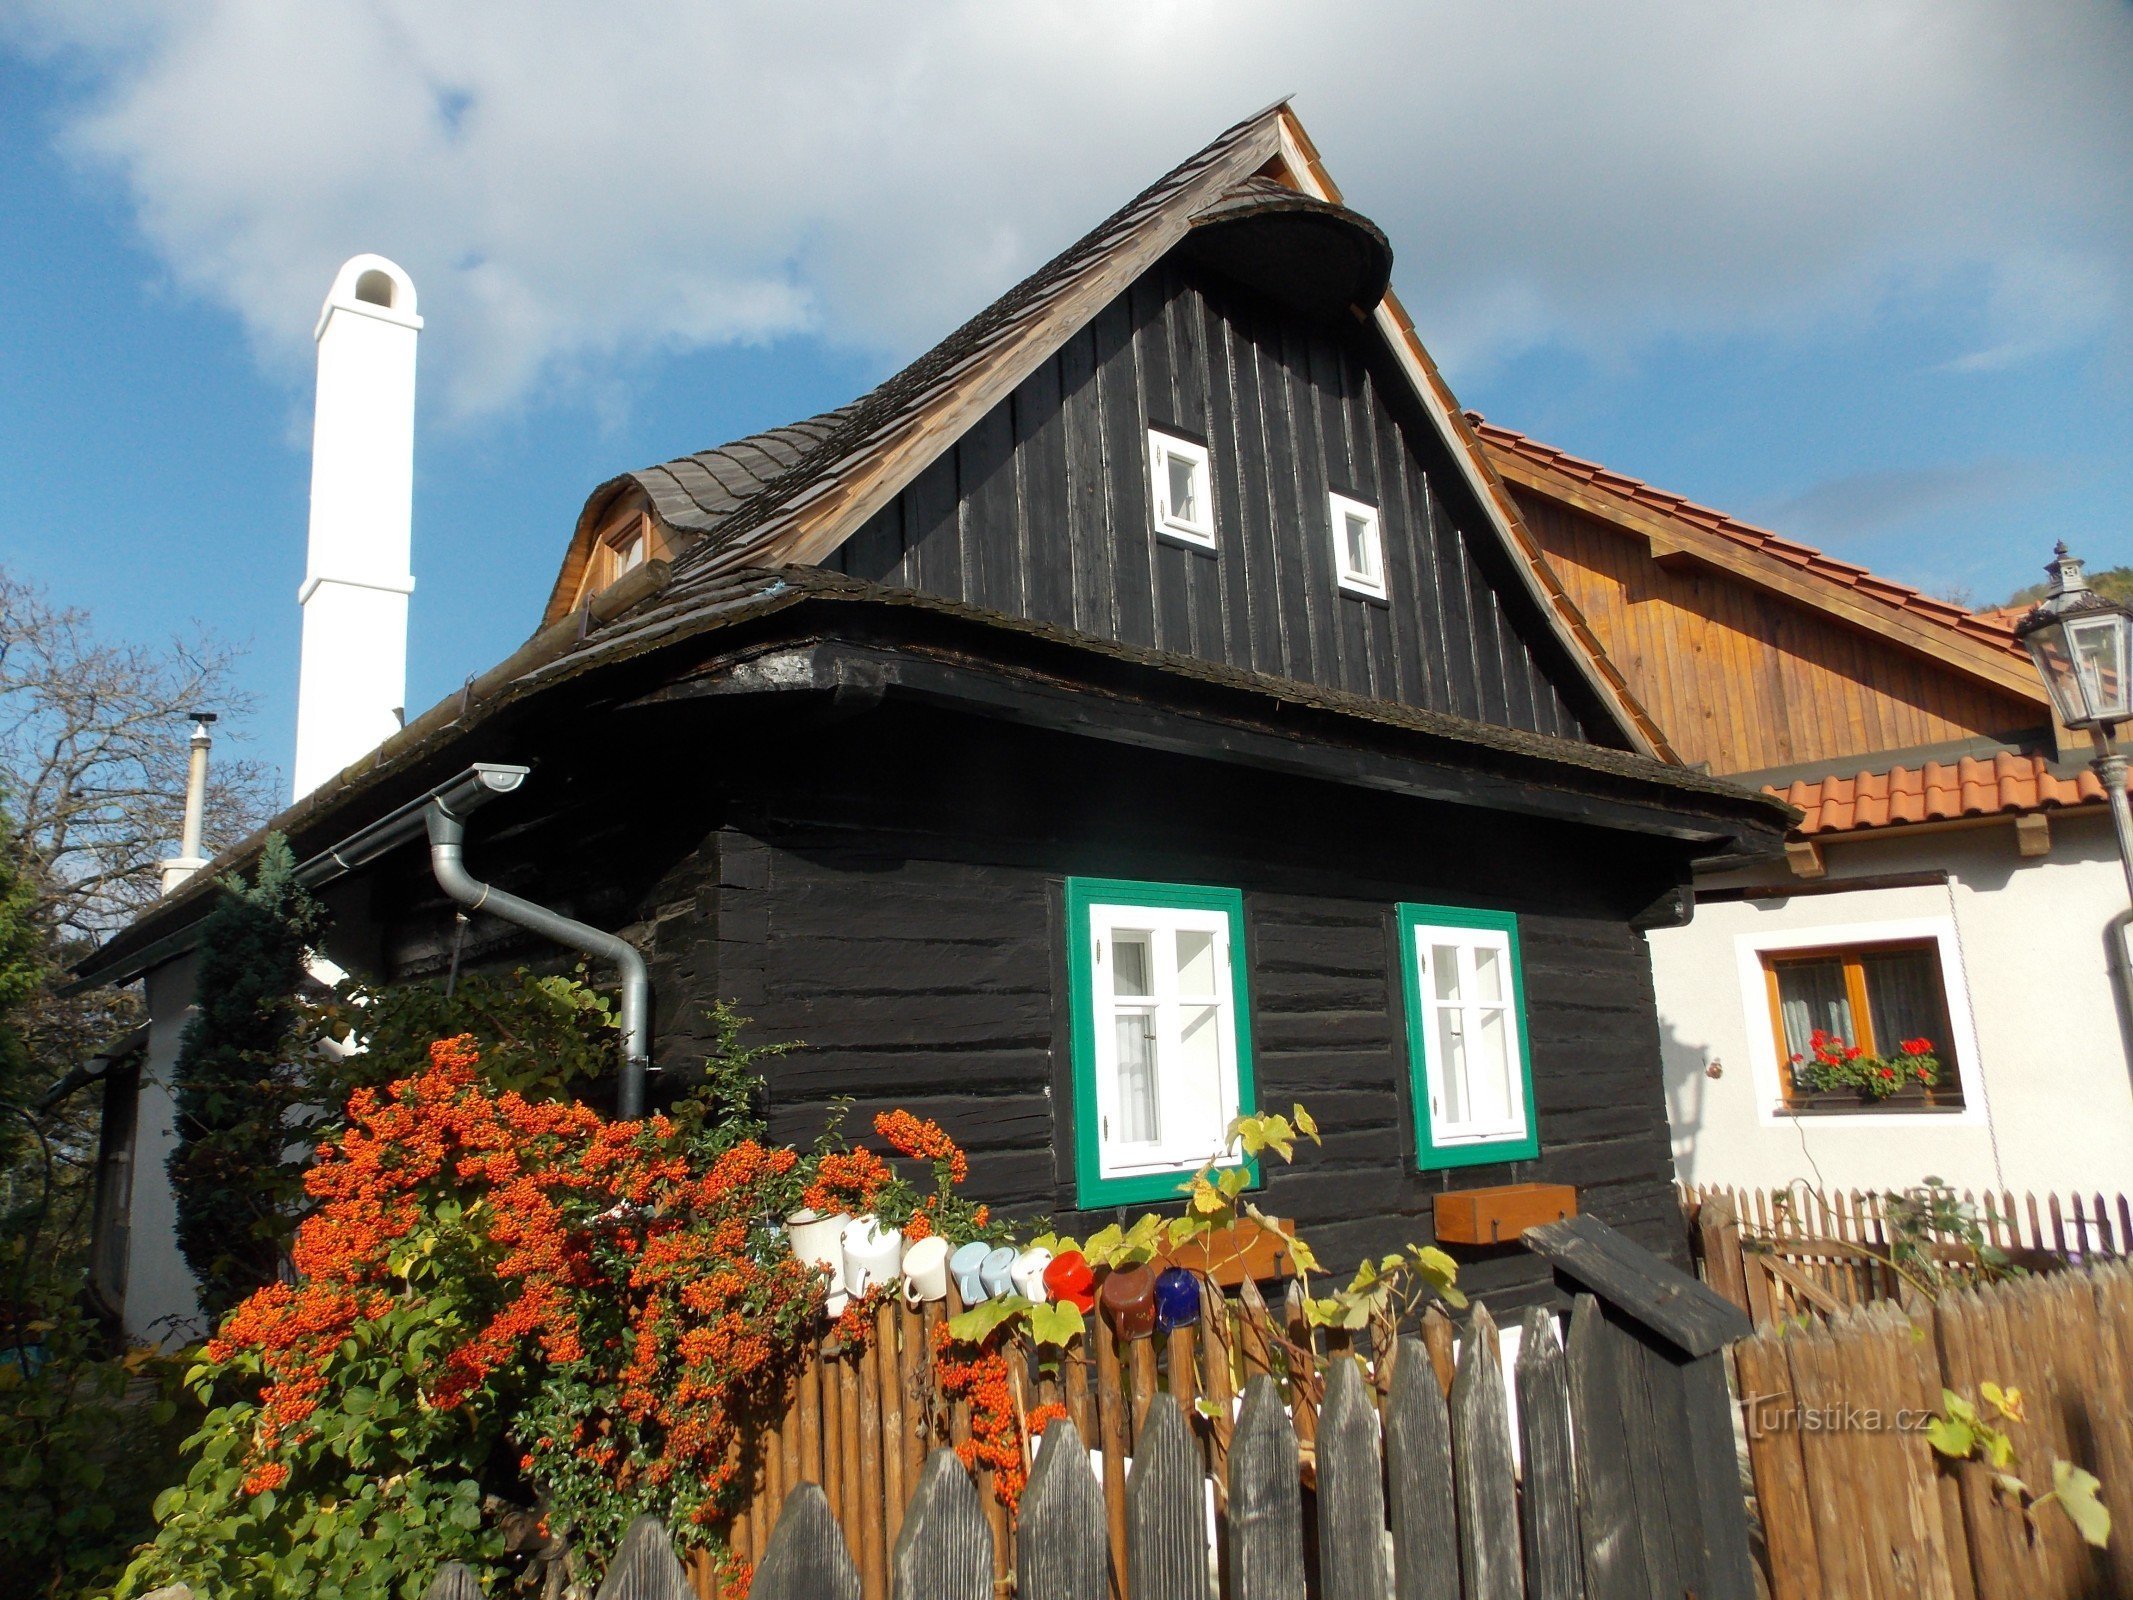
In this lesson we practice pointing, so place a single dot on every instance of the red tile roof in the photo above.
(1988, 629)
(1936, 792)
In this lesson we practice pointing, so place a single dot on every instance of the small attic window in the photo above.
(375, 288)
(1184, 490)
(1358, 546)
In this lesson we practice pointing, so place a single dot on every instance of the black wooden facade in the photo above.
(880, 879)
(1042, 510)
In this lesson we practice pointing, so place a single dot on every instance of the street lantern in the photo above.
(2082, 645)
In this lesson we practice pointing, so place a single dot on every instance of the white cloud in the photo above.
(575, 186)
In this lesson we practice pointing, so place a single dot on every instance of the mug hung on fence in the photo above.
(819, 1241)
(1068, 1278)
(1177, 1299)
(963, 1266)
(1028, 1273)
(995, 1273)
(1129, 1301)
(872, 1254)
(926, 1271)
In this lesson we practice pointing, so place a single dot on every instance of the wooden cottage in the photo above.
(1146, 704)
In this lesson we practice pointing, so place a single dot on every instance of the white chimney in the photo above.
(353, 684)
(189, 859)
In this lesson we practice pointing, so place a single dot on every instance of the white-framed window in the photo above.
(1358, 545)
(1161, 1040)
(1470, 1072)
(1184, 488)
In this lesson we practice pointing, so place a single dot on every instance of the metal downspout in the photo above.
(447, 839)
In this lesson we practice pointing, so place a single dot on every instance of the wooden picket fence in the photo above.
(861, 1424)
(1780, 1253)
(1390, 1484)
(1853, 1500)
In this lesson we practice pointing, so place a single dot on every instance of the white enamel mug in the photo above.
(926, 1271)
(1028, 1273)
(819, 1241)
(872, 1254)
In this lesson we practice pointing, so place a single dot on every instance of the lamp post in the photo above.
(2083, 647)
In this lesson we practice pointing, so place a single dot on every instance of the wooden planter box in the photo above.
(1823, 1102)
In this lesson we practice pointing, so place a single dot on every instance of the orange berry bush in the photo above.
(502, 1301)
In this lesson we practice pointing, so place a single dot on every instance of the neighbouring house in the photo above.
(1952, 875)
(1146, 704)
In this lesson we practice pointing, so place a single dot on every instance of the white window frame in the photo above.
(1340, 508)
(1179, 1149)
(1772, 1108)
(1515, 1126)
(1162, 447)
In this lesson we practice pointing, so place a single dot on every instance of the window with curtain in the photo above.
(1872, 996)
(1162, 1032)
(1469, 1073)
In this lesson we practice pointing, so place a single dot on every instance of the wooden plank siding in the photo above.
(893, 899)
(1042, 510)
(1749, 680)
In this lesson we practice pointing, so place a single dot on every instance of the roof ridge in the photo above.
(1890, 591)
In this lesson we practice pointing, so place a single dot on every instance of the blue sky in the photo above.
(1858, 271)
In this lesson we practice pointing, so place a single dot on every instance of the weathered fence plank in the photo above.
(1615, 1567)
(1166, 1535)
(1351, 1494)
(945, 1551)
(1418, 1459)
(1482, 1478)
(806, 1558)
(1548, 1506)
(644, 1567)
(1061, 1552)
(1265, 1498)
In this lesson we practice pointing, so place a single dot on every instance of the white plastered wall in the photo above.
(2027, 949)
(162, 1303)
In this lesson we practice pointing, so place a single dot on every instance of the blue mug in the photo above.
(963, 1267)
(996, 1274)
(1177, 1299)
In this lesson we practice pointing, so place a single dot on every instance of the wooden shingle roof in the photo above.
(794, 494)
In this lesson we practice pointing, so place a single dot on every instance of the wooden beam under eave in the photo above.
(1804, 856)
(2033, 834)
(1946, 646)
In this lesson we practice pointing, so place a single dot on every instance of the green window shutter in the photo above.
(1470, 1065)
(1094, 905)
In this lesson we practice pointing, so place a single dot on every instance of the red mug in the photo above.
(1068, 1278)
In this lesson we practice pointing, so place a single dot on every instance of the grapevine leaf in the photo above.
(1057, 1323)
(1301, 1254)
(2075, 1490)
(1951, 1437)
(977, 1324)
(1304, 1124)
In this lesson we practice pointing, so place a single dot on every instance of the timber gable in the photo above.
(1757, 653)
(843, 488)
